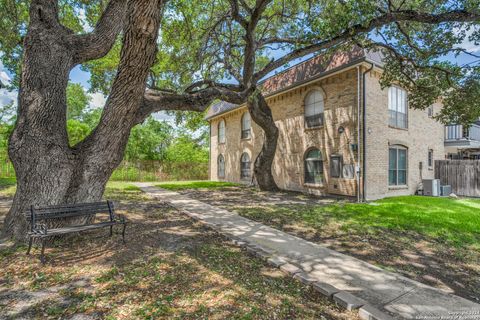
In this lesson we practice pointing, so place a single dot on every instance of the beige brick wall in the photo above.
(423, 133)
(340, 92)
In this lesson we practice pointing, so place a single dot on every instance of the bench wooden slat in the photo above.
(82, 205)
(72, 229)
(61, 215)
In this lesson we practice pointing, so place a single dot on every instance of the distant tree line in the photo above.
(185, 142)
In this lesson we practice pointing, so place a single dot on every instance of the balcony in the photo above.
(462, 137)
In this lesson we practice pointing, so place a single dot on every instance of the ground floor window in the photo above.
(336, 163)
(221, 166)
(245, 166)
(313, 167)
(430, 158)
(397, 166)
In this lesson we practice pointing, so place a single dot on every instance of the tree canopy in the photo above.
(231, 44)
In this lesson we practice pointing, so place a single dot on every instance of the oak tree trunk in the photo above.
(262, 115)
(48, 171)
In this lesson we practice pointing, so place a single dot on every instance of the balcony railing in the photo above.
(459, 132)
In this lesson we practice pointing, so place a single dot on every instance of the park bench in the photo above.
(46, 222)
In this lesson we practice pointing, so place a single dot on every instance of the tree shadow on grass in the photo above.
(169, 267)
(389, 235)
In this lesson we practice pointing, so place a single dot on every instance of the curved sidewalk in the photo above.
(352, 283)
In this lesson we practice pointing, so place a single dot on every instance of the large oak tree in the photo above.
(201, 45)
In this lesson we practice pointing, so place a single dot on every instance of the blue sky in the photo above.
(98, 100)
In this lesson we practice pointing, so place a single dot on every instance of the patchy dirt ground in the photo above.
(170, 268)
(455, 270)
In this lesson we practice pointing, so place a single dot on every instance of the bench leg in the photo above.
(123, 232)
(111, 231)
(42, 254)
(29, 245)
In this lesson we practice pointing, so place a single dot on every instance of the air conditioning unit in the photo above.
(445, 191)
(431, 187)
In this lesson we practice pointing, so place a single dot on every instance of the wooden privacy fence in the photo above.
(462, 175)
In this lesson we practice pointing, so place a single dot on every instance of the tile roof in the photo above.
(305, 71)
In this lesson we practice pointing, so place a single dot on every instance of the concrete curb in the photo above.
(343, 299)
(367, 312)
(348, 300)
(325, 289)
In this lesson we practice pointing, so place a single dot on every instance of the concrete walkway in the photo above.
(352, 283)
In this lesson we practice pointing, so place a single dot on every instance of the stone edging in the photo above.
(341, 298)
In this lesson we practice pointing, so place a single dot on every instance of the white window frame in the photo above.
(430, 158)
(220, 170)
(318, 105)
(245, 173)
(397, 106)
(307, 174)
(221, 131)
(246, 132)
(430, 111)
(397, 148)
(338, 157)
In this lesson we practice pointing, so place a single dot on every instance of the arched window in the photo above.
(221, 166)
(245, 166)
(221, 131)
(314, 109)
(313, 167)
(246, 125)
(397, 165)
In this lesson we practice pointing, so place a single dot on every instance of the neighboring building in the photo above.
(463, 142)
(317, 106)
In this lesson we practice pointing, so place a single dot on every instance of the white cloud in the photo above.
(83, 19)
(6, 97)
(163, 116)
(98, 100)
(4, 77)
(466, 44)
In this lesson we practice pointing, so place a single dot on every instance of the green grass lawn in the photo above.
(7, 187)
(455, 221)
(182, 185)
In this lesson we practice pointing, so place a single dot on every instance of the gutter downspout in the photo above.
(364, 134)
(359, 103)
(210, 151)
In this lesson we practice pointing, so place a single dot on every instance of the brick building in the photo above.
(336, 125)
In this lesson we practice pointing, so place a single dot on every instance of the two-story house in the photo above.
(463, 142)
(340, 132)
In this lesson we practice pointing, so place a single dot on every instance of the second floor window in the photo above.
(397, 108)
(314, 109)
(245, 166)
(221, 131)
(430, 111)
(246, 126)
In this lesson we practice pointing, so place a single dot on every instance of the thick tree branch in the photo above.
(156, 100)
(98, 43)
(384, 19)
(44, 13)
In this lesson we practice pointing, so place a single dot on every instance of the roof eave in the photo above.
(304, 82)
